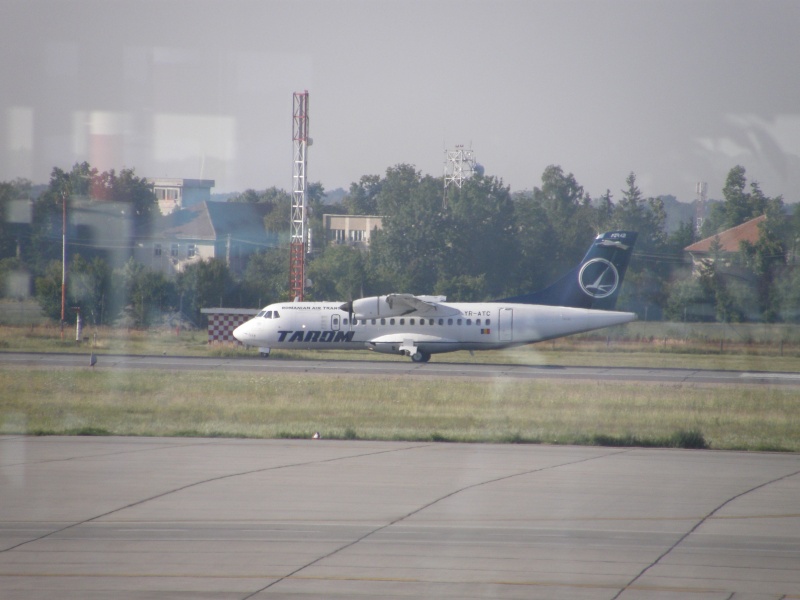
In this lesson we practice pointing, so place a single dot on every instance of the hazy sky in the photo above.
(677, 91)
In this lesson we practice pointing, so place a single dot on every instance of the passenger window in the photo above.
(478, 322)
(374, 322)
(458, 322)
(469, 321)
(411, 321)
(383, 321)
(402, 321)
(344, 321)
(391, 321)
(488, 321)
(441, 321)
(449, 321)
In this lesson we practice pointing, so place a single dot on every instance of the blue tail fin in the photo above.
(595, 282)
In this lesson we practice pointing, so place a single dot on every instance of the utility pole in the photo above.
(63, 261)
(297, 249)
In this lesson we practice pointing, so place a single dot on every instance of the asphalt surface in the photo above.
(405, 368)
(135, 518)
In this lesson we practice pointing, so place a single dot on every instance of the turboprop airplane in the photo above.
(419, 326)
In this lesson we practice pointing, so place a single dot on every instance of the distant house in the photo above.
(727, 243)
(173, 193)
(228, 231)
(351, 230)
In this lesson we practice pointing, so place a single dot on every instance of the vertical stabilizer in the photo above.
(595, 282)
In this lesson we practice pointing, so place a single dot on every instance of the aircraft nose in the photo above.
(241, 333)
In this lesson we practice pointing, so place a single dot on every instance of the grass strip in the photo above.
(158, 403)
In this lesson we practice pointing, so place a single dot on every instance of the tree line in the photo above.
(485, 242)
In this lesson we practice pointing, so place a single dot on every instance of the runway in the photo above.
(404, 368)
(134, 518)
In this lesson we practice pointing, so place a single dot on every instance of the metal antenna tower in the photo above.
(700, 208)
(460, 165)
(297, 252)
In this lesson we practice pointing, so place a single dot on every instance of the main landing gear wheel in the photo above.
(421, 357)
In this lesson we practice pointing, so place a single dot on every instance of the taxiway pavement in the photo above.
(135, 518)
(406, 368)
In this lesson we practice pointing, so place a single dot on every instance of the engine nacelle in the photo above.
(395, 305)
(376, 307)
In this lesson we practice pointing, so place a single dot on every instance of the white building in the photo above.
(352, 230)
(173, 193)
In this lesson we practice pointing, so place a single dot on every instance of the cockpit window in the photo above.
(268, 314)
(261, 314)
(275, 315)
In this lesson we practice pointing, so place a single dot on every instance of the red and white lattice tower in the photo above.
(298, 241)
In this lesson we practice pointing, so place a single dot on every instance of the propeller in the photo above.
(348, 306)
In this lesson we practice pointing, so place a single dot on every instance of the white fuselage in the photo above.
(453, 326)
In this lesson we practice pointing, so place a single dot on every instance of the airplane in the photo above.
(420, 326)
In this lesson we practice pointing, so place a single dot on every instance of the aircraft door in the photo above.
(506, 323)
(335, 321)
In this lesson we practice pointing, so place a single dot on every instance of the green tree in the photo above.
(646, 216)
(204, 284)
(142, 295)
(644, 291)
(46, 229)
(480, 235)
(48, 290)
(568, 214)
(362, 198)
(689, 301)
(8, 194)
(89, 283)
(266, 277)
(396, 188)
(740, 205)
(788, 295)
(737, 205)
(273, 195)
(766, 259)
(280, 202)
(339, 274)
(83, 181)
(411, 248)
(129, 189)
(732, 301)
(604, 212)
(531, 269)
(277, 220)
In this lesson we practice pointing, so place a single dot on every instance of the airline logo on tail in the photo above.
(599, 278)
